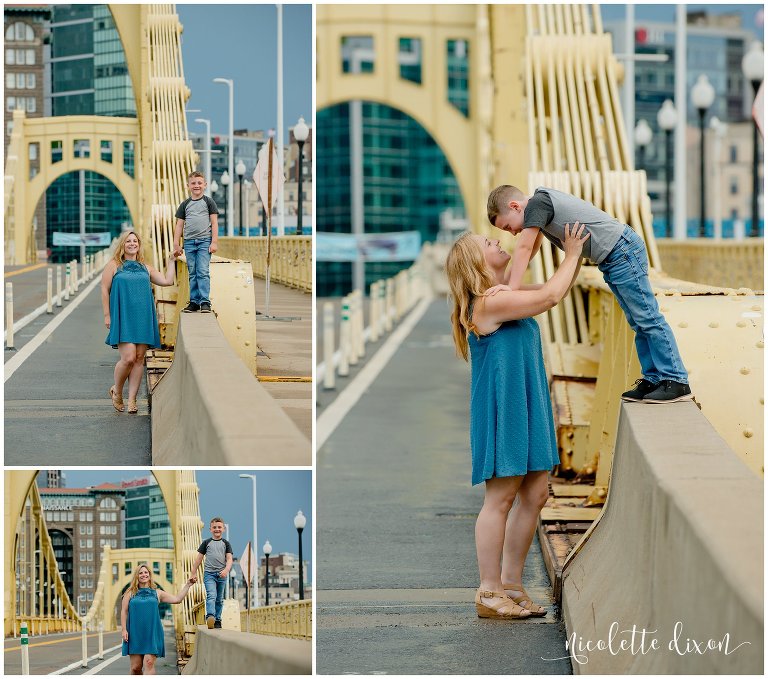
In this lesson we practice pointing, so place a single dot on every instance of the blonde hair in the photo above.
(498, 199)
(119, 256)
(196, 173)
(468, 278)
(134, 587)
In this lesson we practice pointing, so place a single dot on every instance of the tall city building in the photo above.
(80, 522)
(146, 516)
(283, 579)
(89, 76)
(27, 80)
(715, 47)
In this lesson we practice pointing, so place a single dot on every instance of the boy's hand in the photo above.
(490, 292)
(224, 573)
(192, 580)
(213, 247)
(574, 239)
(177, 251)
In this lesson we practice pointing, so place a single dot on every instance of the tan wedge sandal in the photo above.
(525, 601)
(117, 399)
(504, 610)
(133, 408)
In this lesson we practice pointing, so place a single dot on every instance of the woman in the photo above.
(129, 314)
(143, 638)
(511, 425)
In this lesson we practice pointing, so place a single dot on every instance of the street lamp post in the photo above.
(643, 136)
(299, 521)
(719, 129)
(231, 161)
(252, 477)
(300, 133)
(247, 224)
(227, 220)
(752, 66)
(702, 95)
(240, 170)
(667, 119)
(267, 551)
(207, 152)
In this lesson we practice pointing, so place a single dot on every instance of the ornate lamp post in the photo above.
(267, 551)
(752, 66)
(225, 183)
(667, 119)
(299, 521)
(300, 133)
(702, 95)
(240, 171)
(643, 136)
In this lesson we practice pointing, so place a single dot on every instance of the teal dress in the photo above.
(145, 631)
(511, 428)
(132, 307)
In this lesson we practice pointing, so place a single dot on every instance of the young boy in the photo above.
(217, 553)
(620, 255)
(198, 217)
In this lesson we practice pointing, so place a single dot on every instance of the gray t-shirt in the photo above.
(550, 210)
(215, 554)
(197, 217)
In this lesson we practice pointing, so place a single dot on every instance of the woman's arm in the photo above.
(167, 598)
(124, 615)
(516, 304)
(106, 286)
(164, 280)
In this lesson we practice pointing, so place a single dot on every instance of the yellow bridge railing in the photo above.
(293, 620)
(291, 258)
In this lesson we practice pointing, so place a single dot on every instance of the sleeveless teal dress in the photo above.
(132, 307)
(511, 428)
(145, 631)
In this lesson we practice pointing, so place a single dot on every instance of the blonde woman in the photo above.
(143, 638)
(129, 314)
(512, 432)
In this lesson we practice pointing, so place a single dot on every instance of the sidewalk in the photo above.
(397, 569)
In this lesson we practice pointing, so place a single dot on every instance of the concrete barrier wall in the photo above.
(209, 410)
(680, 543)
(226, 652)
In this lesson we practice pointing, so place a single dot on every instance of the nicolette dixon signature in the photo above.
(642, 641)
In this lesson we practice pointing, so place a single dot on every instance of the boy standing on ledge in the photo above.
(198, 218)
(217, 553)
(621, 257)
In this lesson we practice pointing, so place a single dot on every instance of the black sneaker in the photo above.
(217, 624)
(191, 308)
(210, 621)
(641, 388)
(669, 391)
(205, 308)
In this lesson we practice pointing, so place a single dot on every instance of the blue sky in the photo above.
(280, 494)
(239, 42)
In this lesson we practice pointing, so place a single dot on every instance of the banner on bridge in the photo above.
(401, 246)
(103, 238)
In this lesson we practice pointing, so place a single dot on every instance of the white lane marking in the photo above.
(106, 663)
(30, 347)
(337, 411)
(79, 663)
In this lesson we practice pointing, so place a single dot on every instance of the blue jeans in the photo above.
(625, 270)
(214, 594)
(198, 263)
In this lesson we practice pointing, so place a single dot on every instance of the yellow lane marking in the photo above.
(56, 641)
(32, 267)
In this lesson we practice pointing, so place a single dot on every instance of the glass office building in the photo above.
(89, 76)
(146, 516)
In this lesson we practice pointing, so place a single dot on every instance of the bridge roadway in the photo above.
(55, 652)
(57, 398)
(397, 570)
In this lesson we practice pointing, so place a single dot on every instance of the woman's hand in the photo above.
(125, 635)
(172, 255)
(107, 320)
(490, 292)
(192, 580)
(574, 241)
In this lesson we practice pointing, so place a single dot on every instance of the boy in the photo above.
(217, 553)
(620, 255)
(198, 217)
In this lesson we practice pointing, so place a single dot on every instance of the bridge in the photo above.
(653, 511)
(233, 388)
(36, 597)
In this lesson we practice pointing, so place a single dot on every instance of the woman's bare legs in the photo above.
(136, 663)
(125, 365)
(521, 525)
(149, 664)
(137, 371)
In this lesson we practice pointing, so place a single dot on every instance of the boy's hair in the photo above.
(216, 519)
(498, 199)
(196, 173)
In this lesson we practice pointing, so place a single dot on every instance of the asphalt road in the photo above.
(57, 410)
(395, 531)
